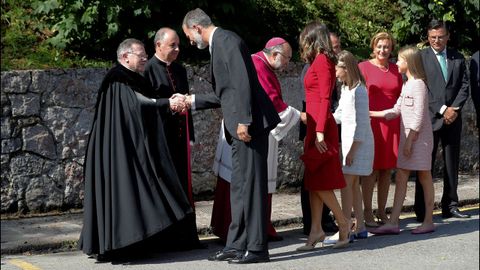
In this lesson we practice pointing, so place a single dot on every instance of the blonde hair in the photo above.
(315, 39)
(349, 62)
(381, 36)
(412, 56)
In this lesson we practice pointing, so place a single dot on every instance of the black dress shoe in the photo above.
(251, 257)
(274, 238)
(224, 255)
(454, 212)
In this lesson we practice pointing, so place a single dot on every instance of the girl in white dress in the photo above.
(357, 138)
(416, 140)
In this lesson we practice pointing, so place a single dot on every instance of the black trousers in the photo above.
(248, 195)
(450, 136)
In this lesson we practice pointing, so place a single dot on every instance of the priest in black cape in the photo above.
(133, 196)
(167, 78)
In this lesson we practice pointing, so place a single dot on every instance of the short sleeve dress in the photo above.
(319, 82)
(383, 89)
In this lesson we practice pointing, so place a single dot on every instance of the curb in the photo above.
(71, 245)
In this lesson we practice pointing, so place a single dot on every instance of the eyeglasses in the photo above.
(141, 56)
(440, 38)
(287, 57)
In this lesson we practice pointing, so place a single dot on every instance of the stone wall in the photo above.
(46, 119)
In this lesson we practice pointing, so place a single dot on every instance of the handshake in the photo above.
(180, 103)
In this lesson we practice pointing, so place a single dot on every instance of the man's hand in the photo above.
(450, 115)
(242, 133)
(177, 102)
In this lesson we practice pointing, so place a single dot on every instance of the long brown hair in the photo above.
(315, 39)
(347, 61)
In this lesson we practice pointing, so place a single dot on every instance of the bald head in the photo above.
(166, 44)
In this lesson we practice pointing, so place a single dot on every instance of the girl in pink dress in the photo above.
(416, 140)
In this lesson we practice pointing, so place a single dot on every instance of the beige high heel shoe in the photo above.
(311, 246)
(344, 243)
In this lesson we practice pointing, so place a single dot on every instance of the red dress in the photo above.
(319, 82)
(384, 88)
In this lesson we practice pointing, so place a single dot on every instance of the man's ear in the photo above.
(197, 28)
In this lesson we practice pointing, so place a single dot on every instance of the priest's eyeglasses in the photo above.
(141, 56)
(286, 57)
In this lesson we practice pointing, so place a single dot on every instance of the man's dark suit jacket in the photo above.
(236, 86)
(475, 84)
(454, 92)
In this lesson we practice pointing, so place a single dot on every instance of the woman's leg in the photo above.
(316, 206)
(347, 197)
(357, 204)
(382, 193)
(425, 178)
(401, 179)
(329, 198)
(368, 183)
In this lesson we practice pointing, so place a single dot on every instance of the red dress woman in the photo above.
(319, 82)
(323, 170)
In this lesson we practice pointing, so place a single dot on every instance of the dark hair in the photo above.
(315, 39)
(436, 24)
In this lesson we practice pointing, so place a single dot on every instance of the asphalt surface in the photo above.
(52, 233)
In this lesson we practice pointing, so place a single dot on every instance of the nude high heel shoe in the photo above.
(311, 246)
(344, 243)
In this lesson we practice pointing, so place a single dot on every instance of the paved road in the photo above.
(454, 245)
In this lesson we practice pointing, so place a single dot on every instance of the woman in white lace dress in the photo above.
(357, 137)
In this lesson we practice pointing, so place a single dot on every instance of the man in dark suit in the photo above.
(249, 115)
(447, 81)
(475, 84)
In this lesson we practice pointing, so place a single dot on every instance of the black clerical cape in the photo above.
(132, 191)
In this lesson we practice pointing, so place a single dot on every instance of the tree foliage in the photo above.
(70, 32)
(461, 17)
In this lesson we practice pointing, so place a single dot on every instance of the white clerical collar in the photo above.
(167, 63)
(210, 40)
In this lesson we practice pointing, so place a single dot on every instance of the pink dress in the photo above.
(413, 107)
(383, 88)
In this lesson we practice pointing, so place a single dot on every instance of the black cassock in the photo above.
(167, 80)
(132, 191)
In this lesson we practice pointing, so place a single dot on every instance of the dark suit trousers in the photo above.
(450, 136)
(248, 195)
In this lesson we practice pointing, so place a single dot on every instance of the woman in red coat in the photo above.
(323, 170)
